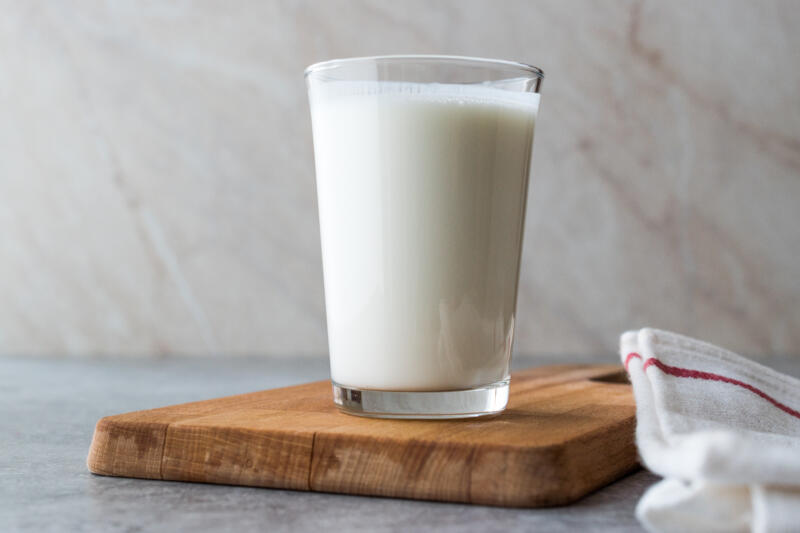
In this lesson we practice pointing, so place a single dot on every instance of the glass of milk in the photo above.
(422, 178)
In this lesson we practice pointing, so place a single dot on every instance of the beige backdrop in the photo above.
(157, 189)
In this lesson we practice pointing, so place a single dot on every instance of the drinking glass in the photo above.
(422, 177)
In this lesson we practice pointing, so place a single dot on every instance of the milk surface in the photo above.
(421, 191)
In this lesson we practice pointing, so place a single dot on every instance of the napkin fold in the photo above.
(722, 430)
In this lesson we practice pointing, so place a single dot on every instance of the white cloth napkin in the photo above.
(722, 430)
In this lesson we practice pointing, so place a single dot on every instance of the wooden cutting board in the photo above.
(568, 430)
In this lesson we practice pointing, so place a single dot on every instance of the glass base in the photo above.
(482, 401)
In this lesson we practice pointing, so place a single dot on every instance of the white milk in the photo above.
(422, 191)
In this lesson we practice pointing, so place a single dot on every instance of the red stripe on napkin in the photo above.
(697, 374)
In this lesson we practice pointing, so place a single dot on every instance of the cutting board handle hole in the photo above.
(617, 376)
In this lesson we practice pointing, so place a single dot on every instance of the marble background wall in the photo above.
(157, 190)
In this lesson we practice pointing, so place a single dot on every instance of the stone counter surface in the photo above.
(48, 408)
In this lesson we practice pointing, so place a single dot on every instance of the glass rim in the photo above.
(322, 66)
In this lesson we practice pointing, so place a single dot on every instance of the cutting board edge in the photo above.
(113, 443)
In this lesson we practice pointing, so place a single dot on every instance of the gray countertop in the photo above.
(48, 409)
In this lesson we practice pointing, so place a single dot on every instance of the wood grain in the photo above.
(568, 430)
